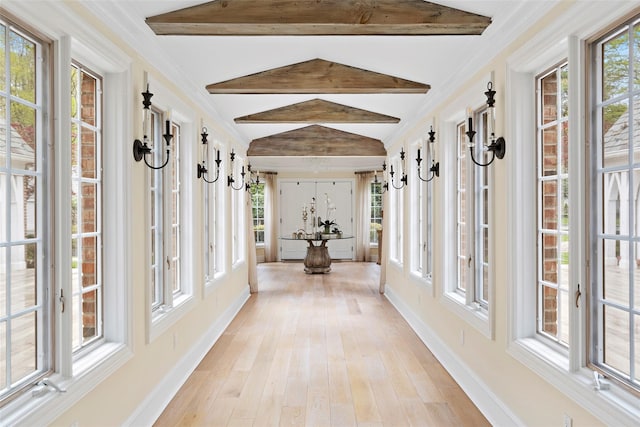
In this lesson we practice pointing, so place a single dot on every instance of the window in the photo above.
(26, 319)
(237, 215)
(376, 211)
(615, 218)
(461, 210)
(65, 321)
(473, 216)
(422, 222)
(86, 206)
(213, 223)
(397, 210)
(579, 315)
(257, 209)
(553, 204)
(165, 225)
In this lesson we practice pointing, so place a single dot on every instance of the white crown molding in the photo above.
(144, 42)
(499, 35)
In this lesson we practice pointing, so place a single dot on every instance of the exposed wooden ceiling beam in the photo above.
(316, 141)
(317, 111)
(314, 77)
(318, 17)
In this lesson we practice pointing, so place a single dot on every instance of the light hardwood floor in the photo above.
(320, 350)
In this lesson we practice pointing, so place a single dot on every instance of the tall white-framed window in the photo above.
(26, 291)
(552, 136)
(175, 253)
(77, 310)
(214, 209)
(257, 212)
(481, 215)
(614, 303)
(462, 214)
(396, 202)
(238, 243)
(468, 287)
(376, 211)
(473, 216)
(165, 229)
(86, 207)
(421, 234)
(564, 327)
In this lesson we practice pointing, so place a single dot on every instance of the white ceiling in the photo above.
(193, 62)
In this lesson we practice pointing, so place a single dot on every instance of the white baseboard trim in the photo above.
(151, 408)
(487, 402)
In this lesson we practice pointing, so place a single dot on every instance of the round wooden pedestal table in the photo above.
(318, 259)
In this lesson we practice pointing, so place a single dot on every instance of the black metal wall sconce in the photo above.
(384, 187)
(434, 170)
(230, 179)
(403, 175)
(202, 168)
(141, 148)
(498, 146)
(249, 182)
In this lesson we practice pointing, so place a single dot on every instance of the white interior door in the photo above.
(293, 195)
(296, 194)
(340, 193)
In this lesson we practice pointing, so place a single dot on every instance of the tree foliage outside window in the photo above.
(24, 319)
(376, 211)
(257, 204)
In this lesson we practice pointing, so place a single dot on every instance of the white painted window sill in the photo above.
(615, 406)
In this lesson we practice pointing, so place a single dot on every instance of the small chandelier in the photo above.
(497, 147)
(435, 167)
(202, 169)
(142, 148)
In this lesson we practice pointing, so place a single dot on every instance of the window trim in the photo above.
(258, 244)
(214, 204)
(421, 202)
(79, 375)
(159, 321)
(371, 205)
(100, 197)
(238, 216)
(594, 291)
(567, 374)
(396, 202)
(483, 320)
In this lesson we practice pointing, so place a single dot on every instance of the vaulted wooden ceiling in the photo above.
(317, 76)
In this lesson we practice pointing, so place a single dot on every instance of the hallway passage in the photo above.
(320, 350)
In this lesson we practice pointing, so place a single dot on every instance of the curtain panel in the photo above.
(270, 218)
(363, 215)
